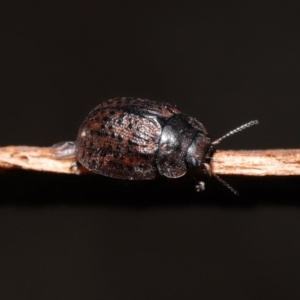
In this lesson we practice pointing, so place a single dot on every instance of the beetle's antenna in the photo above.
(240, 128)
(210, 172)
(226, 184)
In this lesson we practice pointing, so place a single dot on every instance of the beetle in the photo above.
(137, 139)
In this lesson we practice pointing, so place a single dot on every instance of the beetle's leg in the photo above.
(75, 167)
(200, 186)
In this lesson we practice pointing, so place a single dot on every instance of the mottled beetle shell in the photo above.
(133, 138)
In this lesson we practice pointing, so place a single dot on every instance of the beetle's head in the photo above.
(201, 151)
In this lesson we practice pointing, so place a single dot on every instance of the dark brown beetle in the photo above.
(133, 138)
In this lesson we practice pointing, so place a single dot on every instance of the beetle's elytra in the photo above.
(136, 139)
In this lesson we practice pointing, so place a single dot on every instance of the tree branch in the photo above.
(276, 162)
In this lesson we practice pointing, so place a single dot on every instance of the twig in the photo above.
(33, 158)
(277, 162)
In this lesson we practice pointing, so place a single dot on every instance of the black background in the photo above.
(91, 237)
